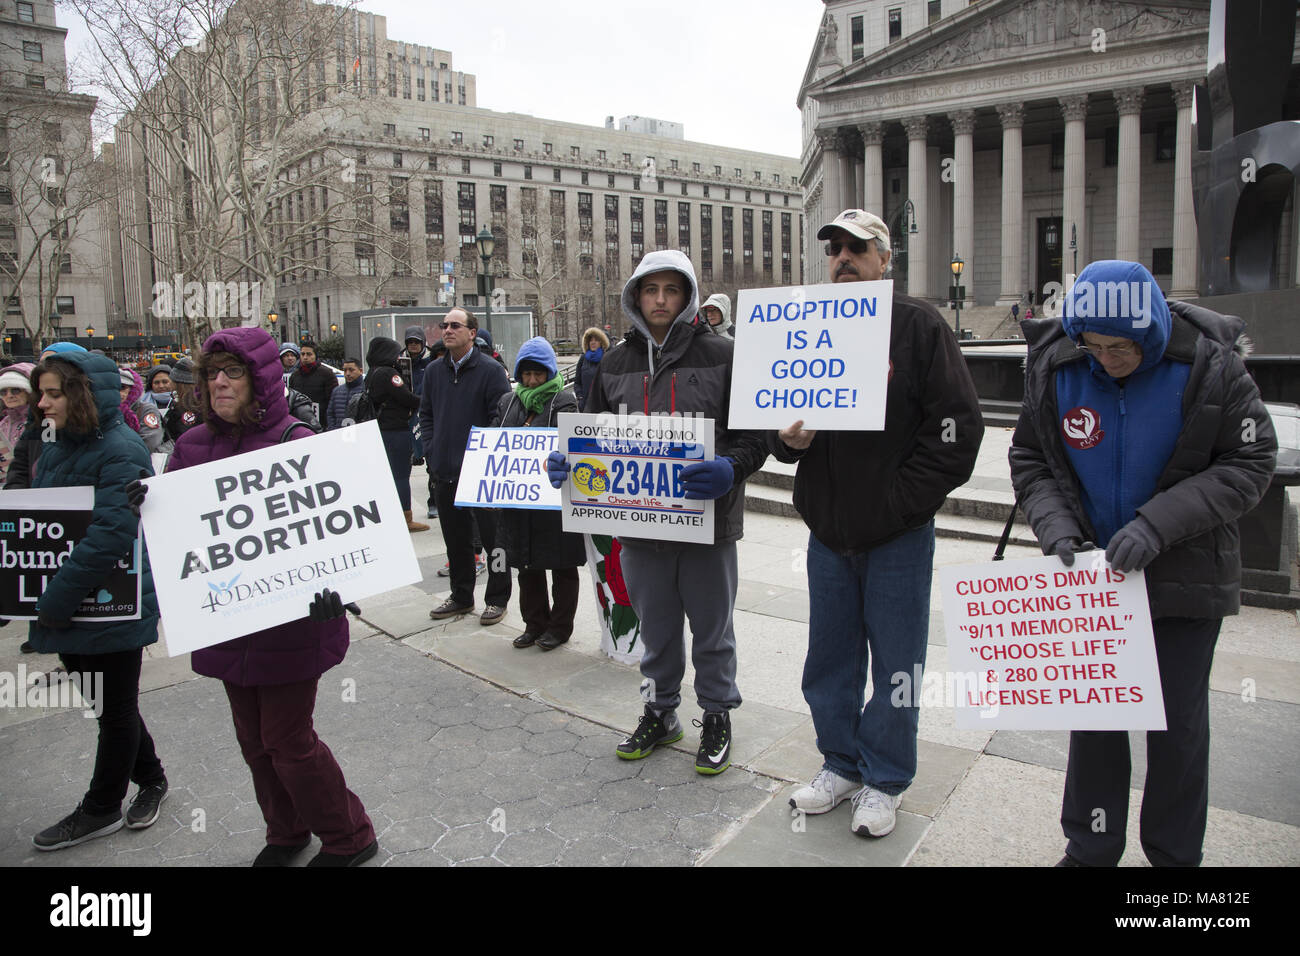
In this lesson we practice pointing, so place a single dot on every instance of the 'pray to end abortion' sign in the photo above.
(243, 544)
(819, 353)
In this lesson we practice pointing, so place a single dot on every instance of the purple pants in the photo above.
(299, 784)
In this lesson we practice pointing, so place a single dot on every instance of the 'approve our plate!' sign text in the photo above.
(625, 475)
(819, 353)
(242, 544)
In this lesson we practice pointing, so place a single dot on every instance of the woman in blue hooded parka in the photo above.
(533, 539)
(77, 392)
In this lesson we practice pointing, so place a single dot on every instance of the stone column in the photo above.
(832, 173)
(1012, 116)
(1074, 213)
(1183, 284)
(963, 196)
(917, 181)
(873, 168)
(1128, 179)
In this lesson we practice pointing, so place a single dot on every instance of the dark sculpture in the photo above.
(1247, 156)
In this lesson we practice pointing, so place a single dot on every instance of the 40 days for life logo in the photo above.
(1081, 428)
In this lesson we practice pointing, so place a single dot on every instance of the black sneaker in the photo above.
(274, 854)
(77, 827)
(355, 859)
(650, 732)
(143, 810)
(715, 743)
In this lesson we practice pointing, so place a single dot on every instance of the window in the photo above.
(684, 227)
(683, 189)
(546, 148)
(661, 224)
(627, 159)
(584, 177)
(26, 13)
(365, 257)
(706, 190)
(419, 89)
(397, 160)
(933, 12)
(748, 196)
(672, 164)
(758, 175)
(695, 168)
(895, 17)
(785, 248)
(726, 192)
(14, 305)
(457, 139)
(575, 152)
(390, 129)
(739, 172)
(433, 161)
(706, 242)
(35, 82)
(636, 212)
(555, 174)
(488, 141)
(776, 179)
(65, 305)
(611, 234)
(661, 184)
(767, 198)
(717, 170)
(519, 146)
(528, 172)
(600, 155)
(464, 166)
(424, 133)
(32, 52)
(8, 231)
(767, 247)
(747, 244)
(399, 210)
(433, 210)
(636, 182)
(496, 169)
(856, 49)
(610, 180)
(728, 245)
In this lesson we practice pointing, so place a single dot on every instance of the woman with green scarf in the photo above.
(533, 539)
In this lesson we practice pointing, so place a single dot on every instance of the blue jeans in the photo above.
(868, 608)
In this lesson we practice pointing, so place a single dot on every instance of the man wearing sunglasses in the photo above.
(460, 390)
(1142, 431)
(869, 500)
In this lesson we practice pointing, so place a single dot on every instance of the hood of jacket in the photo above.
(1117, 298)
(722, 302)
(105, 383)
(538, 350)
(383, 351)
(601, 337)
(658, 262)
(258, 352)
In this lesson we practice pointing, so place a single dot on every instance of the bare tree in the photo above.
(222, 109)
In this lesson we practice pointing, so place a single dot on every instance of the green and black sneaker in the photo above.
(650, 732)
(715, 743)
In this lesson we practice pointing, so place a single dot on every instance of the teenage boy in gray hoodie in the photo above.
(670, 362)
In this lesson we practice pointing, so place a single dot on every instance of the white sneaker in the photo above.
(826, 792)
(873, 812)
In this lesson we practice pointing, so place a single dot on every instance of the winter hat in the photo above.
(183, 371)
(59, 347)
(290, 347)
(18, 375)
(127, 376)
(148, 379)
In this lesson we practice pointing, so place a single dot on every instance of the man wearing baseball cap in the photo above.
(869, 567)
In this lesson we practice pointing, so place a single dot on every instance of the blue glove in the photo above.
(1133, 546)
(707, 480)
(557, 468)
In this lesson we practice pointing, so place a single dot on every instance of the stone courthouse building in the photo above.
(1029, 137)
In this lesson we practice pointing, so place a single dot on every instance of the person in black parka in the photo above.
(533, 539)
(390, 391)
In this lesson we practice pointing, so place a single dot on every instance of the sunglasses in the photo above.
(856, 246)
(232, 372)
(452, 326)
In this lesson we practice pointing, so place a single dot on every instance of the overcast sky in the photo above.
(728, 70)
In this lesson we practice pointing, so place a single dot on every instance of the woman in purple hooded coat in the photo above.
(271, 676)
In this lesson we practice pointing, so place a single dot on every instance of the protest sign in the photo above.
(39, 530)
(506, 468)
(819, 353)
(1044, 647)
(242, 544)
(625, 475)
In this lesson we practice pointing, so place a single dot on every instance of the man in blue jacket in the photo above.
(461, 390)
(1142, 431)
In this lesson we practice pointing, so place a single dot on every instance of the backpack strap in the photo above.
(288, 429)
(1006, 534)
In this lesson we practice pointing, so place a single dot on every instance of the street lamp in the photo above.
(958, 293)
(334, 329)
(272, 318)
(90, 331)
(486, 243)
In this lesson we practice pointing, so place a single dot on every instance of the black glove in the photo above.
(353, 607)
(1133, 546)
(325, 606)
(135, 492)
(52, 624)
(1067, 548)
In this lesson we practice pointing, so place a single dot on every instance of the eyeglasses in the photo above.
(452, 326)
(856, 246)
(232, 372)
(1117, 349)
(6, 392)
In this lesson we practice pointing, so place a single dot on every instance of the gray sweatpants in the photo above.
(667, 582)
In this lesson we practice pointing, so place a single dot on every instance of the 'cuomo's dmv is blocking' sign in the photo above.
(1046, 647)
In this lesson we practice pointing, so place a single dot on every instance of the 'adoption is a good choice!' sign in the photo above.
(39, 530)
(506, 468)
(1046, 647)
(242, 544)
(819, 353)
(625, 475)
